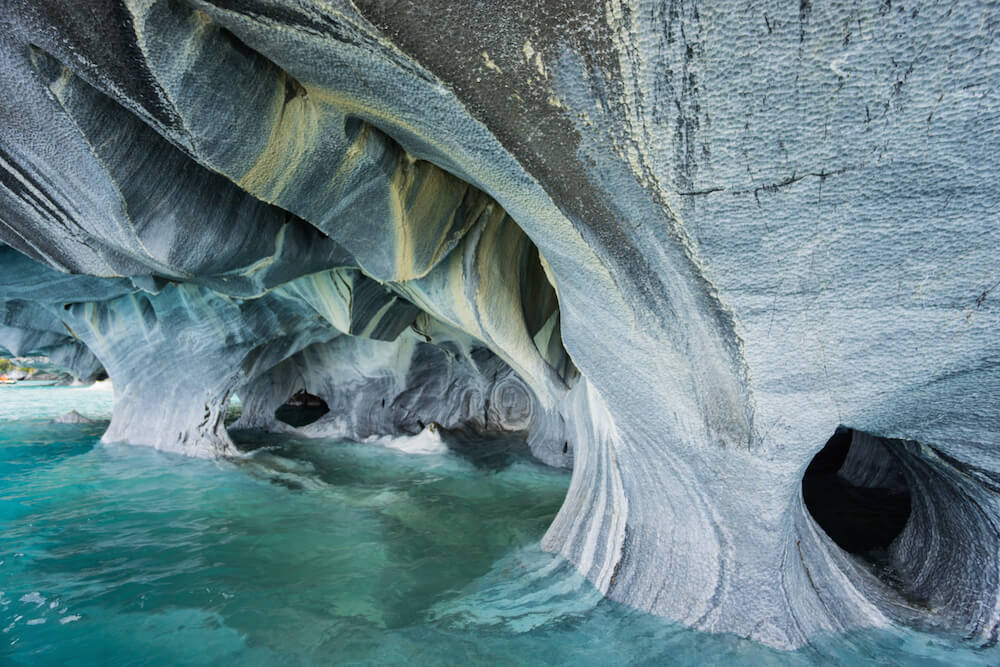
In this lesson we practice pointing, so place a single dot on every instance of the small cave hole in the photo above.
(301, 409)
(862, 504)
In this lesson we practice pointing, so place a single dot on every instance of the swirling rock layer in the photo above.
(673, 245)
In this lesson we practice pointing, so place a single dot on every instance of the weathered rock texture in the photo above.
(674, 243)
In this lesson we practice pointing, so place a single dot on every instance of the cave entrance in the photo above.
(301, 409)
(856, 491)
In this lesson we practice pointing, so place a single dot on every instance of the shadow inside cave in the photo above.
(862, 519)
(487, 451)
(301, 409)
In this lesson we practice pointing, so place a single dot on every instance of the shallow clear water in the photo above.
(316, 552)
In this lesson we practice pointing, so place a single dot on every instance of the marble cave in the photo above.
(723, 261)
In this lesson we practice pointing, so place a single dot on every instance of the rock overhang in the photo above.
(746, 252)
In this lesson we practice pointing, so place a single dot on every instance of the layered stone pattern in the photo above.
(673, 245)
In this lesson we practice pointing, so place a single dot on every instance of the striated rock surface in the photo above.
(72, 417)
(675, 245)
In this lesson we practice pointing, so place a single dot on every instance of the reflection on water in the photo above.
(315, 551)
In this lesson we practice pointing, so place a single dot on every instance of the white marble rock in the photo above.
(675, 245)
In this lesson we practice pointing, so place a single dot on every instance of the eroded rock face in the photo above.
(674, 245)
(72, 417)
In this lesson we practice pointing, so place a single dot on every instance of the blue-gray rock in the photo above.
(72, 417)
(675, 245)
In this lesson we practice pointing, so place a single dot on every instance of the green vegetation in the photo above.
(7, 365)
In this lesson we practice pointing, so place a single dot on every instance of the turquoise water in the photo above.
(316, 552)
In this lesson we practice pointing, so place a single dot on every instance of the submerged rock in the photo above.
(673, 246)
(428, 441)
(72, 417)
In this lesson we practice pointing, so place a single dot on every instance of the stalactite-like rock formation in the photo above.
(673, 245)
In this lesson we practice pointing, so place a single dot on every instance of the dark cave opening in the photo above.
(301, 409)
(859, 498)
